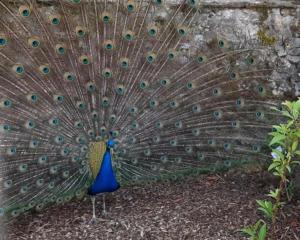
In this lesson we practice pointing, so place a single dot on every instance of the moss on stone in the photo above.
(263, 12)
(266, 39)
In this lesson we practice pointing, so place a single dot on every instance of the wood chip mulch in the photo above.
(206, 208)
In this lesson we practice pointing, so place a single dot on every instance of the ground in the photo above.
(210, 207)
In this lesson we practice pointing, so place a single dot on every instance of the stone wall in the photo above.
(275, 24)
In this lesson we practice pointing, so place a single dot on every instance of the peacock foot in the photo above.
(94, 220)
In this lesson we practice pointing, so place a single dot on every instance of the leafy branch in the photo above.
(284, 143)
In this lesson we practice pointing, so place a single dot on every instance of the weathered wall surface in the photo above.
(275, 24)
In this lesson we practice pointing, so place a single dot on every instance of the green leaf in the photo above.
(295, 145)
(249, 231)
(290, 123)
(256, 225)
(276, 139)
(260, 203)
(297, 152)
(274, 194)
(297, 105)
(275, 109)
(295, 162)
(295, 112)
(269, 205)
(289, 169)
(278, 128)
(265, 211)
(252, 230)
(278, 153)
(287, 114)
(266, 207)
(288, 104)
(262, 232)
(297, 133)
(273, 165)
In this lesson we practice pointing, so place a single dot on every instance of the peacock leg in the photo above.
(93, 198)
(104, 210)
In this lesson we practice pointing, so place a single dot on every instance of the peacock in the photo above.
(133, 79)
(105, 180)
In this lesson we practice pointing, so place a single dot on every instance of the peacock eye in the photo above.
(84, 60)
(221, 43)
(200, 156)
(158, 2)
(61, 50)
(109, 46)
(128, 35)
(7, 103)
(164, 82)
(261, 90)
(216, 91)
(250, 60)
(55, 21)
(152, 32)
(25, 13)
(34, 42)
(182, 30)
(259, 115)
(151, 57)
(69, 77)
(91, 87)
(232, 75)
(227, 146)
(44, 69)
(106, 18)
(130, 7)
(76, 1)
(107, 73)
(192, 2)
(3, 41)
(19, 69)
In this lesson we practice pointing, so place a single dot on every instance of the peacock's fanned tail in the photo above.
(71, 71)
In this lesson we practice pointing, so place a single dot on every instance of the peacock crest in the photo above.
(74, 71)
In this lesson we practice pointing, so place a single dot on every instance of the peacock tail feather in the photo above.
(72, 71)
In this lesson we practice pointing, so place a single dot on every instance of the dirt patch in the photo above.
(206, 208)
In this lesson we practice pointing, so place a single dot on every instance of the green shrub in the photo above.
(284, 143)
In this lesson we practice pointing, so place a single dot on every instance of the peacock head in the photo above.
(110, 143)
